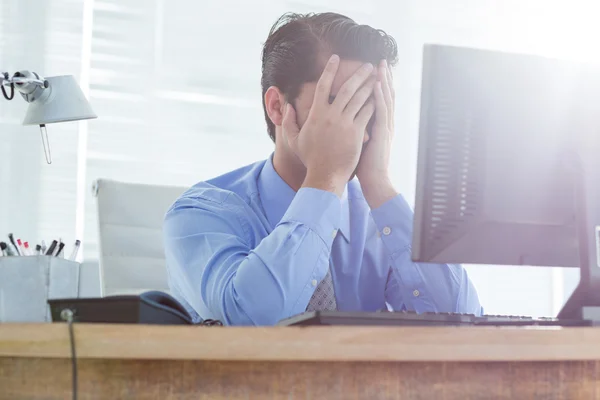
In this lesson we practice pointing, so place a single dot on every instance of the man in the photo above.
(318, 225)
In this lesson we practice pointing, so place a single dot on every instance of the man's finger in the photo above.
(360, 98)
(326, 80)
(290, 126)
(385, 84)
(393, 93)
(391, 83)
(381, 109)
(351, 86)
(364, 115)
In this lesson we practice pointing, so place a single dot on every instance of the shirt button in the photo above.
(416, 293)
(387, 230)
(314, 282)
(334, 233)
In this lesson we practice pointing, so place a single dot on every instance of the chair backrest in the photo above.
(130, 219)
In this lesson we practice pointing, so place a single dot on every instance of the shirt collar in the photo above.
(276, 196)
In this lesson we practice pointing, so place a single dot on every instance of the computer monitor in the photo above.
(506, 173)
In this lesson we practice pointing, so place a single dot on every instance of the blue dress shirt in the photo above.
(246, 249)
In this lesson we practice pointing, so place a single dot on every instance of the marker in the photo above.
(51, 248)
(38, 249)
(21, 248)
(75, 250)
(61, 246)
(44, 248)
(12, 241)
(27, 249)
(3, 247)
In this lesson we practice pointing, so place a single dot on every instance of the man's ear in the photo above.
(275, 105)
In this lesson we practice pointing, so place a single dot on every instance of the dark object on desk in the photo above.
(408, 318)
(148, 308)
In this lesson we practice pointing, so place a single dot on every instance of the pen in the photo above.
(51, 248)
(38, 249)
(12, 241)
(61, 246)
(44, 248)
(75, 250)
(21, 248)
(3, 247)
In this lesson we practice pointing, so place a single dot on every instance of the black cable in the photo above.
(12, 91)
(67, 315)
(73, 359)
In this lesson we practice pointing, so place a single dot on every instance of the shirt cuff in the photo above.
(319, 210)
(394, 223)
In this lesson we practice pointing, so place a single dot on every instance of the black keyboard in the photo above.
(411, 318)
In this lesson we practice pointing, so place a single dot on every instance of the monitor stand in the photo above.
(584, 303)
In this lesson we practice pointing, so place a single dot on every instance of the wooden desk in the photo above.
(161, 362)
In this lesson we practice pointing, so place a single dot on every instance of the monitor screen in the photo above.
(499, 141)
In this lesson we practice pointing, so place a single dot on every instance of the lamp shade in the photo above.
(61, 101)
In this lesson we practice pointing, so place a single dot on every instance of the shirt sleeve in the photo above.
(418, 286)
(209, 246)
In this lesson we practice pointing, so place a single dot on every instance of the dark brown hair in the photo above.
(299, 45)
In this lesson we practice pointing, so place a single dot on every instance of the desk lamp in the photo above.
(51, 100)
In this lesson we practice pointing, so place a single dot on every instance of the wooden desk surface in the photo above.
(301, 343)
(161, 362)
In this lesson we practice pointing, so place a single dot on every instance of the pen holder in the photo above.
(27, 283)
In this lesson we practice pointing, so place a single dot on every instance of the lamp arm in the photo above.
(22, 78)
(30, 84)
(6, 81)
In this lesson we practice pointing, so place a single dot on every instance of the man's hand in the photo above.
(372, 171)
(330, 141)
